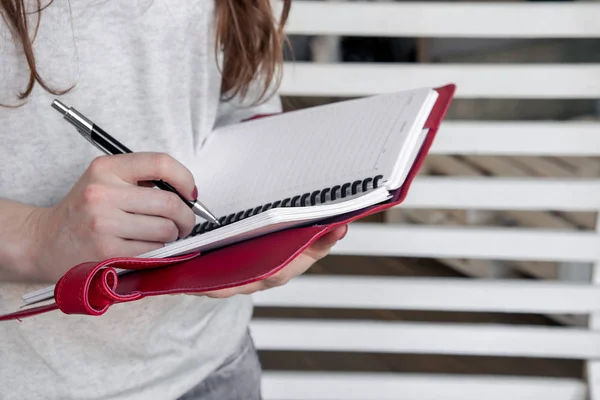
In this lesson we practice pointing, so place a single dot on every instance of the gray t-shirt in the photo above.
(146, 72)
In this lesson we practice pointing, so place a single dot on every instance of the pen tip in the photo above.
(203, 212)
(60, 107)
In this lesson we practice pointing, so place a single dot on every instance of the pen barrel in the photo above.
(165, 186)
(110, 144)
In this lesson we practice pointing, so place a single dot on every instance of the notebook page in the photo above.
(258, 162)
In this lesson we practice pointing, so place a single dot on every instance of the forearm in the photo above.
(17, 240)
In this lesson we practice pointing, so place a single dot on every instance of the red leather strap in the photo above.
(90, 288)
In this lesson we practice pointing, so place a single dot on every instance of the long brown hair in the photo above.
(247, 33)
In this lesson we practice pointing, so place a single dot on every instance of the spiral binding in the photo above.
(317, 197)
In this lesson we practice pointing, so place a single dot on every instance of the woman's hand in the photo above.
(298, 266)
(108, 214)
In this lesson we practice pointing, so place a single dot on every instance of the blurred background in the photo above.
(484, 284)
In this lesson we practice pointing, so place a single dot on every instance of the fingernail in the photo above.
(195, 193)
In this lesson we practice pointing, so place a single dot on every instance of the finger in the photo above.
(222, 293)
(148, 184)
(111, 247)
(246, 289)
(295, 268)
(145, 228)
(323, 245)
(134, 248)
(334, 236)
(147, 166)
(158, 203)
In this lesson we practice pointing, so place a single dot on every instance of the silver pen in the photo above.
(109, 145)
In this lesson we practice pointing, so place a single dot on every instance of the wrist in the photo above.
(20, 244)
(32, 239)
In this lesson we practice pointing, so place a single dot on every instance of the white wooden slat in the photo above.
(371, 239)
(592, 367)
(389, 386)
(368, 292)
(592, 373)
(526, 138)
(557, 194)
(425, 338)
(511, 81)
(456, 20)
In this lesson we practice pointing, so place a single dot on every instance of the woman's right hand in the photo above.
(112, 211)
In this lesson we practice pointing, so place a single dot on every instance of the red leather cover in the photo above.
(91, 288)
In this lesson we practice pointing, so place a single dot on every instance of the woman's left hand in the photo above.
(298, 266)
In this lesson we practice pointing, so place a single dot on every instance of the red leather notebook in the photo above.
(91, 288)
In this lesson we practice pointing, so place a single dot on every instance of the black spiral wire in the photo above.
(317, 197)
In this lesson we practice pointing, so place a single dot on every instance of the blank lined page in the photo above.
(258, 162)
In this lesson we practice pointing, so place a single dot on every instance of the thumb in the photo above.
(321, 247)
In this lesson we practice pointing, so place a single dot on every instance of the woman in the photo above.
(160, 74)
